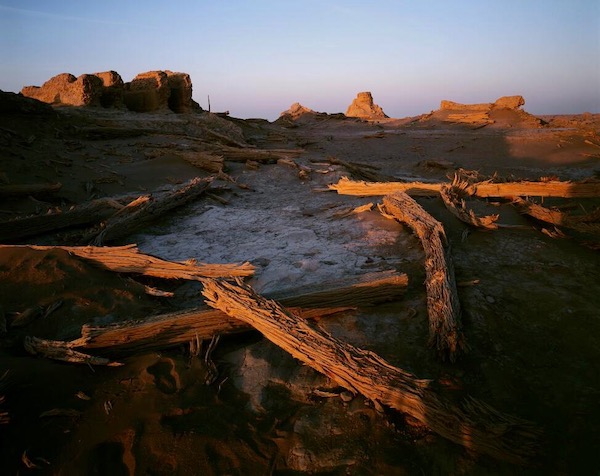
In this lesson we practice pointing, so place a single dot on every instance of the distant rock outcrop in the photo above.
(65, 88)
(295, 111)
(112, 92)
(298, 114)
(151, 91)
(505, 102)
(509, 102)
(363, 107)
(504, 112)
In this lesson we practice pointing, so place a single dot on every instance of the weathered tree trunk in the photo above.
(167, 330)
(590, 188)
(124, 224)
(443, 306)
(28, 189)
(474, 425)
(128, 259)
(457, 206)
(86, 213)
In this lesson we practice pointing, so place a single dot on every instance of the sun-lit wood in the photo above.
(128, 259)
(472, 424)
(443, 306)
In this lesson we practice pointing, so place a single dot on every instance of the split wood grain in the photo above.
(443, 306)
(128, 259)
(473, 424)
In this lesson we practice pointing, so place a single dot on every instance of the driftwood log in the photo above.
(17, 190)
(360, 171)
(474, 425)
(451, 196)
(212, 163)
(167, 330)
(443, 307)
(58, 350)
(486, 189)
(234, 154)
(128, 259)
(124, 223)
(84, 214)
(581, 223)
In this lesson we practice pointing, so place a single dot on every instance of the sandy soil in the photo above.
(531, 320)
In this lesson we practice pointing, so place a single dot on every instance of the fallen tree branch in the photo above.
(443, 306)
(258, 155)
(486, 189)
(17, 190)
(167, 330)
(128, 259)
(581, 223)
(59, 350)
(84, 214)
(457, 206)
(212, 163)
(124, 224)
(474, 425)
(360, 171)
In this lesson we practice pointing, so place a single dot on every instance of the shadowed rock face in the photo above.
(364, 107)
(147, 92)
(150, 91)
(112, 92)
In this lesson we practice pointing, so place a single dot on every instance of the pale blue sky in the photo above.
(255, 58)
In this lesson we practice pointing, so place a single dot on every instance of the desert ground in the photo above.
(529, 292)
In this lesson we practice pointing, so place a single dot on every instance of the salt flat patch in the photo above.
(288, 249)
(284, 228)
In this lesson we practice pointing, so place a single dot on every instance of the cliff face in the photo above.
(363, 107)
(150, 91)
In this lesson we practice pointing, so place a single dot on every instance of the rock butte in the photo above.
(363, 107)
(147, 92)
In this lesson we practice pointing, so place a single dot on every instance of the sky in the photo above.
(254, 58)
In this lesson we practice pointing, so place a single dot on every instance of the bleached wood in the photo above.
(457, 206)
(128, 259)
(166, 330)
(124, 224)
(582, 223)
(473, 424)
(443, 306)
(15, 190)
(582, 189)
(59, 350)
(86, 213)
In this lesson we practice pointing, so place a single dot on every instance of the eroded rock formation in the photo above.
(65, 88)
(364, 107)
(112, 92)
(505, 102)
(295, 111)
(147, 92)
(505, 111)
